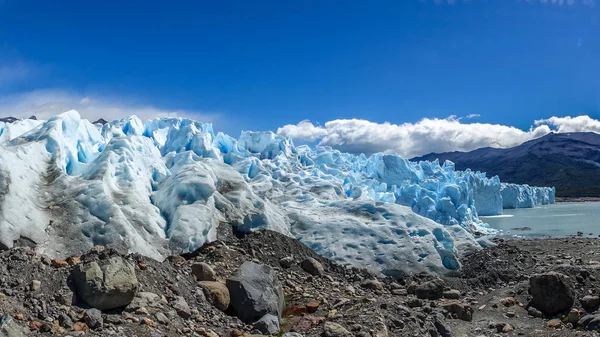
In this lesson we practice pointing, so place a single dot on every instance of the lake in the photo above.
(558, 220)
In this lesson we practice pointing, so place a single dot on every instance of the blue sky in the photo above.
(264, 64)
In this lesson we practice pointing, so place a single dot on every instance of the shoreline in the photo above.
(576, 199)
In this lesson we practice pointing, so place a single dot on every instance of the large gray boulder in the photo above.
(551, 293)
(430, 290)
(93, 318)
(312, 267)
(255, 291)
(146, 300)
(106, 284)
(590, 322)
(268, 324)
(442, 328)
(590, 303)
(181, 307)
(10, 328)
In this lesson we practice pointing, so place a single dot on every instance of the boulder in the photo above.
(534, 312)
(590, 303)
(430, 290)
(217, 294)
(255, 291)
(508, 301)
(93, 318)
(380, 329)
(64, 320)
(80, 326)
(35, 285)
(461, 310)
(590, 322)
(56, 263)
(203, 272)
(441, 326)
(287, 262)
(335, 330)
(162, 318)
(10, 328)
(307, 323)
(313, 267)
(181, 307)
(146, 300)
(452, 294)
(506, 328)
(105, 284)
(372, 284)
(268, 324)
(554, 323)
(574, 316)
(551, 293)
(176, 259)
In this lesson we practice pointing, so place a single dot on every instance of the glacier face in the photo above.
(525, 196)
(165, 186)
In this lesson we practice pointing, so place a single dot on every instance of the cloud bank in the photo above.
(428, 135)
(47, 103)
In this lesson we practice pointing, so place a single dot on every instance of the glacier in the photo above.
(525, 196)
(165, 186)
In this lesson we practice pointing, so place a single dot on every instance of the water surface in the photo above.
(558, 220)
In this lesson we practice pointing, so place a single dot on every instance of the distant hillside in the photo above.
(568, 161)
(10, 119)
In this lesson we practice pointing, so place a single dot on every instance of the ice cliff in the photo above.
(525, 196)
(165, 186)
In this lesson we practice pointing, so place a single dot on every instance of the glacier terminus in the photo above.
(167, 185)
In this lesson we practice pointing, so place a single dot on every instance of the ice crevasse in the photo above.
(165, 186)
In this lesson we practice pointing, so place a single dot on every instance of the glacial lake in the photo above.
(558, 220)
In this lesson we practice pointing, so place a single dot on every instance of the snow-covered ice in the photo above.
(13, 130)
(165, 186)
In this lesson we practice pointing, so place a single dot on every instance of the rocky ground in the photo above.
(267, 284)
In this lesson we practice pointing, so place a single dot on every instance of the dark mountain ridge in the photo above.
(568, 161)
(11, 119)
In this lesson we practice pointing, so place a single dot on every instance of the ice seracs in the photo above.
(10, 130)
(525, 196)
(166, 186)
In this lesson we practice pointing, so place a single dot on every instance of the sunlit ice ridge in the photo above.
(166, 186)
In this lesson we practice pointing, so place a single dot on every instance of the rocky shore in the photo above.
(264, 284)
(577, 199)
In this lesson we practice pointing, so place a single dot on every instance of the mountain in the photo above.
(11, 119)
(100, 121)
(8, 119)
(568, 161)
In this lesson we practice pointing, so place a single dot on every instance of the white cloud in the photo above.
(572, 124)
(304, 130)
(47, 103)
(428, 135)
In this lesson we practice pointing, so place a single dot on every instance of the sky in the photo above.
(407, 77)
